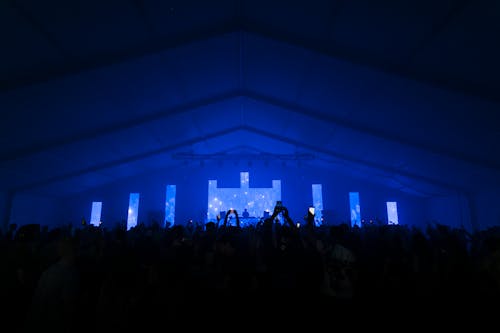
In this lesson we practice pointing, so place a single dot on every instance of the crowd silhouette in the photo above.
(88, 278)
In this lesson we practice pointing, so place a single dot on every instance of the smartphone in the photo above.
(311, 210)
(279, 203)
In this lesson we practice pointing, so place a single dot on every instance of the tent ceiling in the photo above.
(450, 43)
(95, 91)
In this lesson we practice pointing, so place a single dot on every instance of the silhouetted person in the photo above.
(55, 299)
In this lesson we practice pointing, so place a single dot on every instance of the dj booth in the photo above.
(244, 221)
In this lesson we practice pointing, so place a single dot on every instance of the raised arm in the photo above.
(235, 212)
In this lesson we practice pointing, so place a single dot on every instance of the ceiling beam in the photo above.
(216, 134)
(233, 25)
(355, 160)
(39, 28)
(456, 7)
(132, 158)
(285, 105)
(116, 127)
(377, 133)
(102, 60)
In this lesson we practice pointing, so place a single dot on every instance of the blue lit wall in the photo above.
(170, 204)
(28, 209)
(484, 207)
(452, 210)
(133, 210)
(95, 214)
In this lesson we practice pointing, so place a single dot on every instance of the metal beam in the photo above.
(358, 161)
(132, 158)
(348, 124)
(260, 132)
(38, 27)
(456, 8)
(116, 127)
(103, 60)
(293, 107)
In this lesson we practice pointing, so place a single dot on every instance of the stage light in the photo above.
(317, 197)
(133, 207)
(392, 212)
(355, 209)
(255, 200)
(170, 204)
(95, 214)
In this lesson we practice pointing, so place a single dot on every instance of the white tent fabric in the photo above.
(97, 91)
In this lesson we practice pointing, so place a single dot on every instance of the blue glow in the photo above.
(133, 209)
(244, 179)
(95, 215)
(170, 205)
(255, 200)
(392, 212)
(317, 194)
(355, 209)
